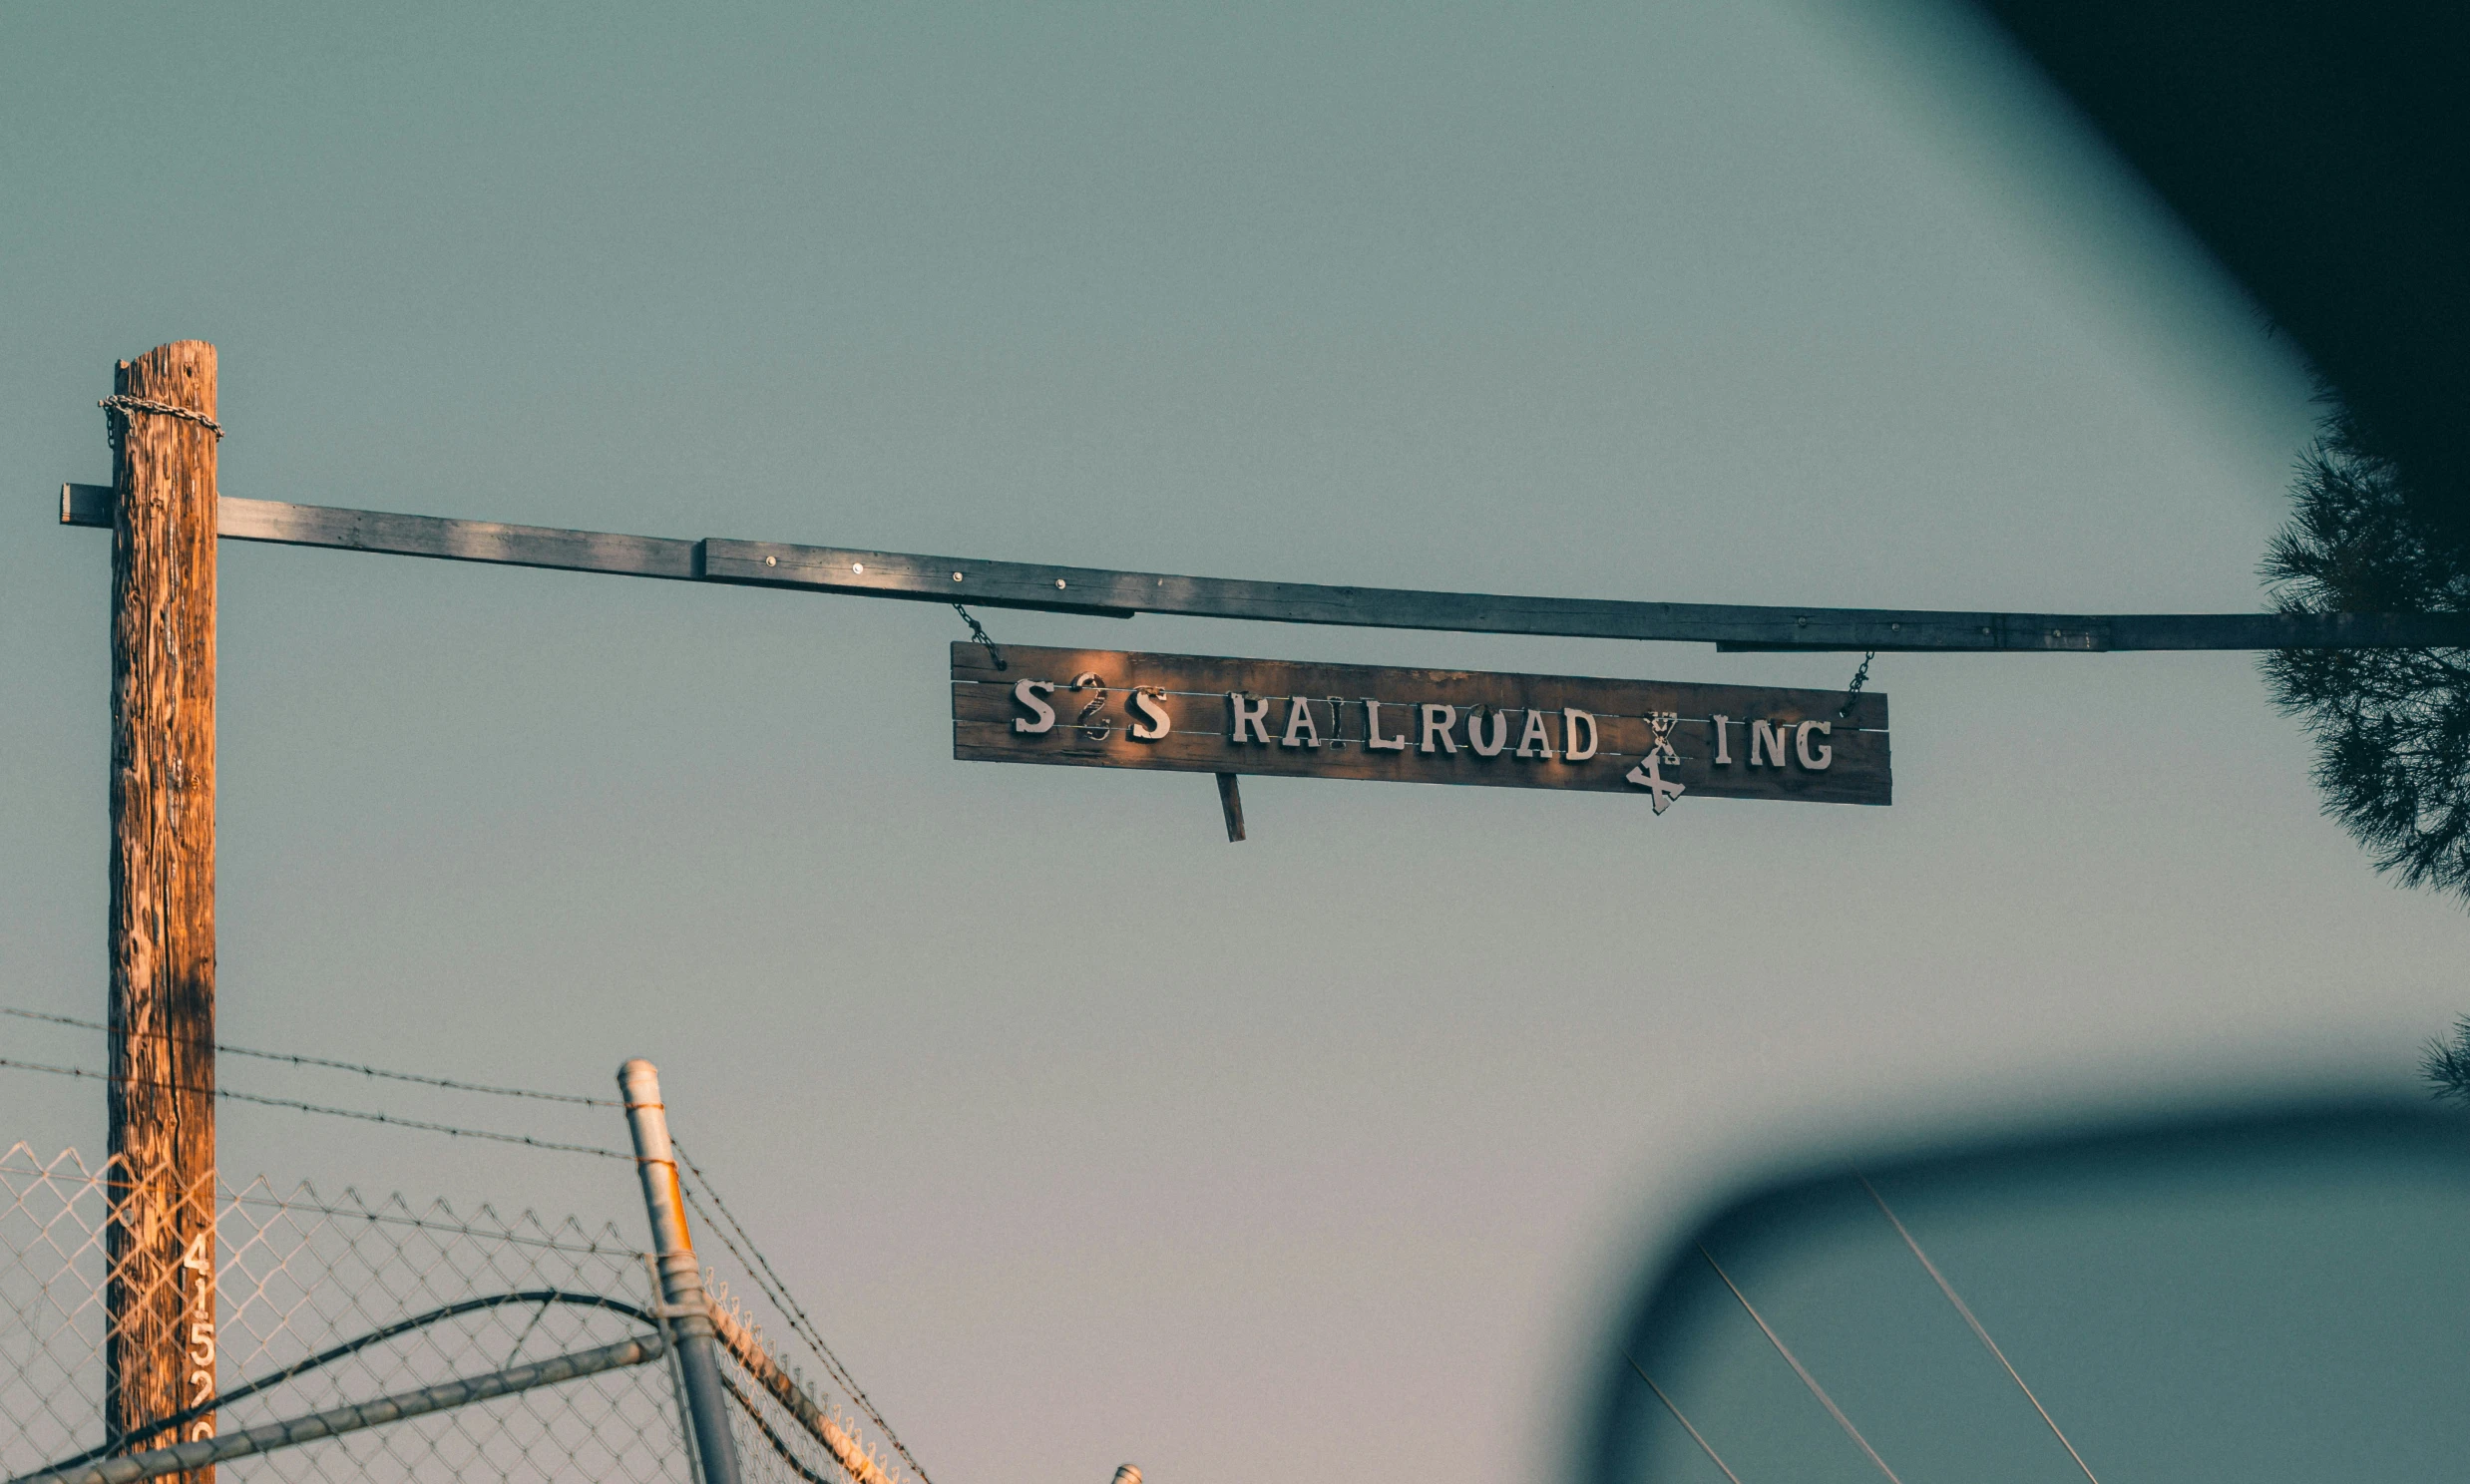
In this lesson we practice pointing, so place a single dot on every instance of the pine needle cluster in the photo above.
(2446, 1065)
(2391, 726)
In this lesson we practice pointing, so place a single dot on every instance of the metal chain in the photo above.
(1852, 692)
(977, 632)
(113, 429)
(341, 1066)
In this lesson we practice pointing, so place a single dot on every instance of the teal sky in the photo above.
(1089, 1136)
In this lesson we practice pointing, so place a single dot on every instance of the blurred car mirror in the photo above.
(2261, 1296)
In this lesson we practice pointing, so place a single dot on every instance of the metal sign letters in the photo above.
(1656, 740)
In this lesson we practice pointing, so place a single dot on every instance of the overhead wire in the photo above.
(1695, 1436)
(1799, 1369)
(1978, 1332)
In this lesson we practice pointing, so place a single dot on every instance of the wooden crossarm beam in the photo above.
(1120, 594)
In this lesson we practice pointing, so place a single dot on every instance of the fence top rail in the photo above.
(1107, 592)
(132, 1468)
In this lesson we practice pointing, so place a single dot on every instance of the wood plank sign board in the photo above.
(1658, 740)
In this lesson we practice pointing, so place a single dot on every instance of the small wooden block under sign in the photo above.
(1100, 708)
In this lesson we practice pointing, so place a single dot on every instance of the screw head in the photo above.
(857, 566)
(771, 562)
(1058, 582)
(956, 577)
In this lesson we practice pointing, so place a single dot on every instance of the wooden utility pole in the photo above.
(160, 1351)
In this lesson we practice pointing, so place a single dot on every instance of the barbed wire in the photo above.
(779, 1444)
(307, 1279)
(294, 1103)
(775, 1288)
(103, 1179)
(758, 1267)
(228, 1048)
(717, 1217)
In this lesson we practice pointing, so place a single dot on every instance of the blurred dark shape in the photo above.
(2266, 1294)
(2323, 152)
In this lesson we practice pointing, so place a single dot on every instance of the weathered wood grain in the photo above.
(1106, 592)
(87, 505)
(1193, 689)
(159, 1302)
(421, 536)
(1213, 674)
(462, 541)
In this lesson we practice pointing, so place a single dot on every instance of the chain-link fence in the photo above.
(332, 1302)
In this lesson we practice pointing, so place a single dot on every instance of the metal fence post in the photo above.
(682, 1276)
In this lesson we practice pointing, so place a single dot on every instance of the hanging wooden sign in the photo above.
(1662, 741)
